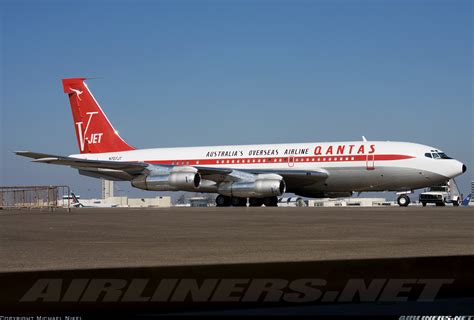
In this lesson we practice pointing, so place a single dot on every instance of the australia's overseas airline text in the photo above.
(342, 149)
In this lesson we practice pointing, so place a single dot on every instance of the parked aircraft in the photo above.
(259, 173)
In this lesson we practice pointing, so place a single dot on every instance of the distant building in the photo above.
(126, 202)
(292, 202)
(472, 191)
(161, 202)
(107, 189)
(349, 202)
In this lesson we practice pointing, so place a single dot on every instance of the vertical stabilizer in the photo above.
(94, 132)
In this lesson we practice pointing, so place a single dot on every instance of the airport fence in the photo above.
(35, 197)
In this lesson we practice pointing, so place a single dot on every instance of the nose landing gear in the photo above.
(403, 200)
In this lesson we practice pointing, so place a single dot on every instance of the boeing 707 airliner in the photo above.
(257, 173)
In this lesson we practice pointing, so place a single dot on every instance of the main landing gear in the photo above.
(222, 201)
(225, 201)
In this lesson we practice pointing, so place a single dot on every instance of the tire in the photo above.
(456, 203)
(403, 200)
(238, 202)
(270, 201)
(255, 202)
(222, 201)
(423, 204)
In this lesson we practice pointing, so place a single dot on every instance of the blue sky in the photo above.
(185, 73)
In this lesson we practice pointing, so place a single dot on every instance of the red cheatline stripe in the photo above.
(269, 160)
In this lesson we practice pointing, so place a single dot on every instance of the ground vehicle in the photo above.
(440, 195)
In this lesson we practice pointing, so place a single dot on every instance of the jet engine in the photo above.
(265, 185)
(179, 178)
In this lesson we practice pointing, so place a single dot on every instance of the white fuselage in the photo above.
(351, 166)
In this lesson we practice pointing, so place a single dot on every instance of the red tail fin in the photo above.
(94, 131)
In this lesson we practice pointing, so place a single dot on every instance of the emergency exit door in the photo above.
(291, 161)
(370, 161)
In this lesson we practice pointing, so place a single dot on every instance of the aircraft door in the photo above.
(370, 161)
(291, 161)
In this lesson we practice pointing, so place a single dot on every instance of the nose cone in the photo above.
(451, 168)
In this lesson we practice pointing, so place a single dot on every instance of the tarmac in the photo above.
(90, 238)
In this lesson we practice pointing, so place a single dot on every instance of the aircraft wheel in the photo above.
(403, 200)
(238, 202)
(270, 201)
(423, 204)
(255, 202)
(222, 201)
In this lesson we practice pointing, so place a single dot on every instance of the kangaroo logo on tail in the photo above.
(94, 132)
(78, 93)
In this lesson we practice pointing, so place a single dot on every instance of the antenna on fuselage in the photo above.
(364, 139)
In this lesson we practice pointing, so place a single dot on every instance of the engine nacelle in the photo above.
(266, 185)
(185, 180)
(180, 178)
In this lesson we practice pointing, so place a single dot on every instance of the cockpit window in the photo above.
(443, 155)
(437, 155)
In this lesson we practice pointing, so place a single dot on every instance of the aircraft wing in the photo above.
(301, 178)
(129, 167)
(298, 178)
(112, 169)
